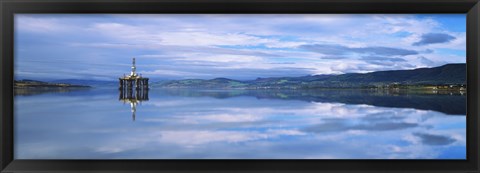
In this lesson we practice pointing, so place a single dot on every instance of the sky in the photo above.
(236, 46)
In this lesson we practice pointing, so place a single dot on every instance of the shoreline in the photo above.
(27, 84)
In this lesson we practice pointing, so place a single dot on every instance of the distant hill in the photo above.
(26, 83)
(446, 74)
(86, 82)
(200, 83)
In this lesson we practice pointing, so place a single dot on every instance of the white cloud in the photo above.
(169, 73)
(224, 58)
(39, 25)
(247, 41)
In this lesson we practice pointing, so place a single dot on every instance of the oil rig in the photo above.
(133, 89)
(133, 81)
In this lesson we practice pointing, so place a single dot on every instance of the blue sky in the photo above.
(240, 46)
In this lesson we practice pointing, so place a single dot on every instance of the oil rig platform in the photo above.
(133, 89)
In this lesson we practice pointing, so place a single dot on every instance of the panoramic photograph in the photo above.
(240, 86)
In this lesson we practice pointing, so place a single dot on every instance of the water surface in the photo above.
(240, 124)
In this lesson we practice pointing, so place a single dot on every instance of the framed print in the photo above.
(210, 85)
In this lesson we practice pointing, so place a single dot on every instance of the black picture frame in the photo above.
(9, 8)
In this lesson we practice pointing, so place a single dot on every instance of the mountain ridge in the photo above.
(441, 75)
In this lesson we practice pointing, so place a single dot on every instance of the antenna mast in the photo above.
(134, 68)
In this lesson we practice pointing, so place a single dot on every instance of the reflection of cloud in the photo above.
(230, 118)
(431, 139)
(341, 127)
(174, 127)
(190, 138)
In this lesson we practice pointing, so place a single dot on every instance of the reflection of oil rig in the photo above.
(133, 89)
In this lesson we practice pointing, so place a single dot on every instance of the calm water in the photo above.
(239, 124)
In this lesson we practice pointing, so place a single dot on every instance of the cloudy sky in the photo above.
(241, 46)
